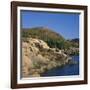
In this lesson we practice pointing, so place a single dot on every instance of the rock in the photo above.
(37, 57)
(35, 74)
(38, 43)
(71, 62)
(26, 65)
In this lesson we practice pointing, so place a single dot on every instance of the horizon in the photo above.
(69, 28)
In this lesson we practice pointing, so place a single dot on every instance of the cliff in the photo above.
(38, 57)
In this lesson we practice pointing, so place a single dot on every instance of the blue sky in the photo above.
(67, 24)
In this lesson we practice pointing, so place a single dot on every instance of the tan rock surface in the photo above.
(37, 57)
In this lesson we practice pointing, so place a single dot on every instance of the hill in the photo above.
(53, 39)
(44, 49)
(76, 40)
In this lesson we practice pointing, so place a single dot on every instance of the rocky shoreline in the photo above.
(38, 57)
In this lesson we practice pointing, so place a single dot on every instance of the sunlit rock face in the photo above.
(38, 57)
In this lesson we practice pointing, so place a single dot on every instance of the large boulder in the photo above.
(37, 57)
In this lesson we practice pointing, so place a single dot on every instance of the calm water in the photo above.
(65, 70)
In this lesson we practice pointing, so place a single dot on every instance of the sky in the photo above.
(66, 24)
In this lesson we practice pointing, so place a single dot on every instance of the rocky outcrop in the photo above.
(38, 57)
(71, 51)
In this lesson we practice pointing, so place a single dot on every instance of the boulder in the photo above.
(37, 57)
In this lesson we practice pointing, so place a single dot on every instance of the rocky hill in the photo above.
(41, 33)
(44, 49)
(38, 57)
(52, 38)
(76, 40)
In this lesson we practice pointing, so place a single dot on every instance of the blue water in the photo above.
(65, 70)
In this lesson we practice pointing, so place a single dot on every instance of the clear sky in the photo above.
(67, 24)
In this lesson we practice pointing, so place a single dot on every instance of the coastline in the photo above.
(38, 58)
(67, 69)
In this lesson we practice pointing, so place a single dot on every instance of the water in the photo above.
(65, 70)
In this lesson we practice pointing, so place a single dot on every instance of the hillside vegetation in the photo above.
(44, 49)
(53, 39)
